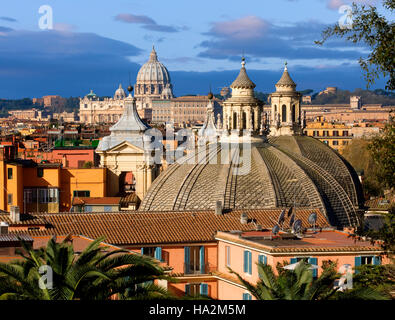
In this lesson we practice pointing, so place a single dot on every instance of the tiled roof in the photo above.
(286, 80)
(378, 204)
(96, 200)
(325, 241)
(243, 81)
(14, 238)
(127, 228)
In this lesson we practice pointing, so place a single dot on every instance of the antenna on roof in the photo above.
(313, 219)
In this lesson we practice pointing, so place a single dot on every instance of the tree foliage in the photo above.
(95, 274)
(382, 149)
(299, 284)
(372, 29)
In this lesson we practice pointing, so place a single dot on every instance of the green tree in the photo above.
(358, 155)
(372, 29)
(382, 149)
(299, 284)
(378, 277)
(93, 274)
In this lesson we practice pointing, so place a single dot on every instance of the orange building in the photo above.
(45, 187)
(189, 245)
(335, 135)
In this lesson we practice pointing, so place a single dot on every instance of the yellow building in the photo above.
(46, 187)
(335, 135)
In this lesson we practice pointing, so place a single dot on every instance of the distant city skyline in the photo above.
(95, 45)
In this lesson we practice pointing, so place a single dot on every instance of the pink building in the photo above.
(241, 251)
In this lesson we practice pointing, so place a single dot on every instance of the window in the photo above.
(310, 260)
(262, 259)
(227, 256)
(247, 266)
(9, 172)
(247, 296)
(192, 289)
(9, 198)
(293, 113)
(335, 133)
(148, 252)
(38, 195)
(81, 193)
(284, 113)
(40, 172)
(335, 143)
(326, 141)
(345, 133)
(194, 260)
(107, 208)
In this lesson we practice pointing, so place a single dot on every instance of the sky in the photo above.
(93, 44)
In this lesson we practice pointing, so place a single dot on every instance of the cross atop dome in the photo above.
(242, 80)
(153, 56)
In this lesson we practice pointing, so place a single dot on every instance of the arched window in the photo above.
(293, 113)
(244, 121)
(284, 113)
(253, 120)
(234, 120)
(275, 108)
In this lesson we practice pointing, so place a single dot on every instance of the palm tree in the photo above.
(93, 274)
(299, 284)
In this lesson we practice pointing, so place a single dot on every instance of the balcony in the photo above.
(206, 269)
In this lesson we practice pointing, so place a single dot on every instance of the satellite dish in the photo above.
(276, 229)
(297, 226)
(291, 221)
(281, 217)
(313, 219)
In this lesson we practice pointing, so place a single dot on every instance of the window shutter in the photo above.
(142, 250)
(245, 267)
(294, 260)
(249, 262)
(202, 262)
(188, 289)
(158, 253)
(357, 263)
(186, 258)
(247, 296)
(262, 259)
(313, 262)
(377, 260)
(204, 289)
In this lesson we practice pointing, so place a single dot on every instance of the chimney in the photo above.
(14, 214)
(244, 218)
(3, 228)
(218, 208)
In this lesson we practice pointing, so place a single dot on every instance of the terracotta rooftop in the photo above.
(96, 200)
(321, 241)
(126, 228)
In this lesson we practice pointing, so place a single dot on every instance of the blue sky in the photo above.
(95, 44)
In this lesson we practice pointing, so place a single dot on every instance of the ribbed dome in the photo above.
(120, 93)
(153, 71)
(242, 80)
(284, 171)
(286, 80)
